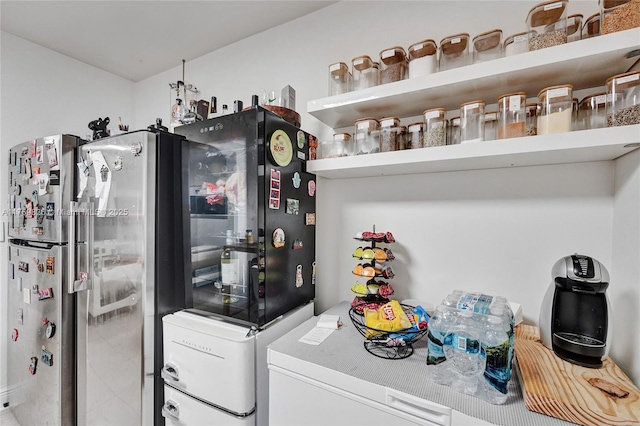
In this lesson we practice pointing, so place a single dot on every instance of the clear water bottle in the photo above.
(440, 324)
(494, 351)
(464, 353)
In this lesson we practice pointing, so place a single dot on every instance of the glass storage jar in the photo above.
(556, 109)
(393, 65)
(531, 112)
(472, 121)
(487, 46)
(551, 13)
(423, 58)
(512, 118)
(490, 125)
(592, 112)
(619, 15)
(623, 91)
(339, 79)
(367, 133)
(435, 127)
(454, 51)
(390, 133)
(574, 27)
(516, 43)
(414, 136)
(591, 26)
(365, 72)
(453, 133)
(339, 146)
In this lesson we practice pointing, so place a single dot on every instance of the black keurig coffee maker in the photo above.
(574, 317)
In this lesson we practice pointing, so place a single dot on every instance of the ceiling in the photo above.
(139, 38)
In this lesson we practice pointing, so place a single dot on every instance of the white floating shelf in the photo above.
(571, 147)
(585, 63)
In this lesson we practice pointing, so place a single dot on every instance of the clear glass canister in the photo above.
(574, 27)
(623, 93)
(453, 133)
(531, 112)
(393, 65)
(592, 112)
(365, 72)
(619, 15)
(512, 120)
(574, 113)
(339, 79)
(390, 131)
(487, 46)
(339, 146)
(423, 58)
(516, 43)
(454, 51)
(414, 136)
(367, 133)
(591, 26)
(435, 127)
(544, 15)
(472, 121)
(490, 126)
(556, 109)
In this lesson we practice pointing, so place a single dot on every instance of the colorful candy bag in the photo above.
(389, 317)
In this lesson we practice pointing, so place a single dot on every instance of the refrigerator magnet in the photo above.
(280, 148)
(293, 206)
(26, 295)
(33, 145)
(311, 188)
(313, 146)
(298, 244)
(46, 293)
(49, 264)
(274, 194)
(39, 155)
(278, 238)
(117, 164)
(46, 357)
(296, 180)
(14, 334)
(300, 138)
(49, 212)
(313, 273)
(33, 365)
(136, 149)
(299, 278)
(309, 219)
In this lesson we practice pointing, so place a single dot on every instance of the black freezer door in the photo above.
(246, 173)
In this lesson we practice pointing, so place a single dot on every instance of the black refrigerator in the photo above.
(252, 216)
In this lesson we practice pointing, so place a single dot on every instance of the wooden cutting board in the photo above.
(566, 391)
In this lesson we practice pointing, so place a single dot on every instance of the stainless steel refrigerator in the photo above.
(120, 268)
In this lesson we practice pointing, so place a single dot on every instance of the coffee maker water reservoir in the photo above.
(574, 317)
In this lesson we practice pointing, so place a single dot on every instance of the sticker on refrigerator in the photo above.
(278, 238)
(39, 155)
(299, 278)
(296, 180)
(26, 295)
(27, 167)
(293, 206)
(39, 214)
(309, 219)
(274, 193)
(23, 266)
(20, 316)
(281, 148)
(301, 155)
(311, 188)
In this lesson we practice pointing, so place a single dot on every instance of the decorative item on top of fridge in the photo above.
(541, 17)
(470, 343)
(99, 128)
(619, 15)
(184, 110)
(390, 328)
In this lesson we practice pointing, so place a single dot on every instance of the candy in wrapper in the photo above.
(389, 317)
(419, 319)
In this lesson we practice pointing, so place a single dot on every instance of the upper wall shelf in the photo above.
(570, 147)
(586, 63)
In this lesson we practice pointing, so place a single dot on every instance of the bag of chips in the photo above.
(389, 317)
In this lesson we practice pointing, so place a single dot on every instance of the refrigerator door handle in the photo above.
(85, 282)
(171, 409)
(170, 372)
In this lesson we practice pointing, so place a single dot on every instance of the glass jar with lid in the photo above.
(339, 79)
(511, 115)
(367, 133)
(472, 121)
(531, 112)
(423, 58)
(454, 51)
(435, 127)
(390, 133)
(414, 136)
(591, 26)
(490, 126)
(556, 109)
(574, 27)
(393, 65)
(592, 112)
(487, 46)
(623, 91)
(619, 15)
(365, 72)
(453, 133)
(552, 15)
(516, 43)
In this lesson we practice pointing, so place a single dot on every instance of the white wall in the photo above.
(497, 231)
(45, 93)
